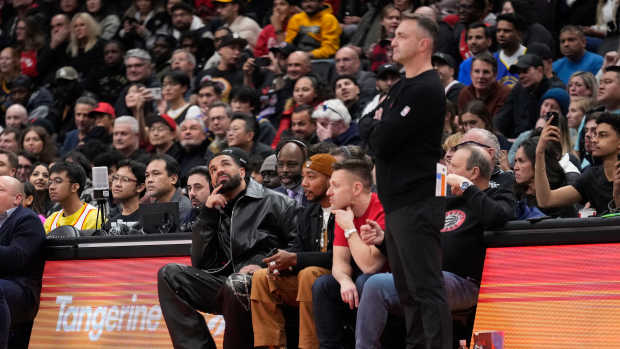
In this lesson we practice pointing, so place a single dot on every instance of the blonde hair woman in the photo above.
(85, 47)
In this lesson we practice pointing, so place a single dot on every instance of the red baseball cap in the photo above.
(104, 108)
(164, 118)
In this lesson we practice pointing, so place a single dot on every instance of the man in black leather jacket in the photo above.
(241, 224)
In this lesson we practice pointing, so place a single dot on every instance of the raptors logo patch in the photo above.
(454, 220)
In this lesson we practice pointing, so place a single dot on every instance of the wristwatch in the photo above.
(349, 232)
(465, 185)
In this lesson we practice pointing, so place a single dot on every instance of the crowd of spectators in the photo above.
(158, 91)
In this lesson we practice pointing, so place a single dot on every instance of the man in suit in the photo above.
(21, 258)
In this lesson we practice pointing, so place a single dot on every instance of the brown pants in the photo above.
(293, 290)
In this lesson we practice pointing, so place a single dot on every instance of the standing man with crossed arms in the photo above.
(408, 125)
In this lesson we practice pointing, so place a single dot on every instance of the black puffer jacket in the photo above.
(261, 220)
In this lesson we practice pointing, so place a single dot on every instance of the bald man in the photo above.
(21, 259)
(290, 156)
(16, 116)
(347, 62)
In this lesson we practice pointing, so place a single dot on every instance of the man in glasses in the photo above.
(127, 189)
(489, 142)
(67, 181)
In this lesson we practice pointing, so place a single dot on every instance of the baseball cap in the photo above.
(104, 108)
(67, 73)
(524, 62)
(233, 39)
(443, 58)
(386, 69)
(163, 118)
(539, 49)
(240, 156)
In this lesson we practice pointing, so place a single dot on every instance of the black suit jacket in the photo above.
(21, 253)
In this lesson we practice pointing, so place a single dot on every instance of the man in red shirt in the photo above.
(353, 204)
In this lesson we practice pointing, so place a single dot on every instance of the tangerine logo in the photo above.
(454, 220)
(122, 317)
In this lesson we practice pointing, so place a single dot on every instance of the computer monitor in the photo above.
(160, 218)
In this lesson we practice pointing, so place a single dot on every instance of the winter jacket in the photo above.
(260, 221)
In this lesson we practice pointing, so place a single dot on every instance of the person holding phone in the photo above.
(599, 184)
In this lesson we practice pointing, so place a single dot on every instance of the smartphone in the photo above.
(155, 92)
(262, 61)
(556, 118)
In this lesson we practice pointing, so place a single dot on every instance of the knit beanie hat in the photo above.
(560, 95)
(321, 163)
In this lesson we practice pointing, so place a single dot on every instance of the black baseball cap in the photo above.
(539, 49)
(386, 69)
(237, 154)
(443, 58)
(233, 39)
(524, 62)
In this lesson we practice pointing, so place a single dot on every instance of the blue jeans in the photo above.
(380, 298)
(15, 305)
(330, 312)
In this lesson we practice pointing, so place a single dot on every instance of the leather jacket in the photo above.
(261, 221)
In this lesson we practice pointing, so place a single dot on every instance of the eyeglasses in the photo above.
(460, 145)
(56, 180)
(123, 179)
(24, 167)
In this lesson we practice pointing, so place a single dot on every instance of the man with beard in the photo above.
(198, 191)
(162, 181)
(183, 20)
(193, 139)
(290, 274)
(291, 155)
(239, 226)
